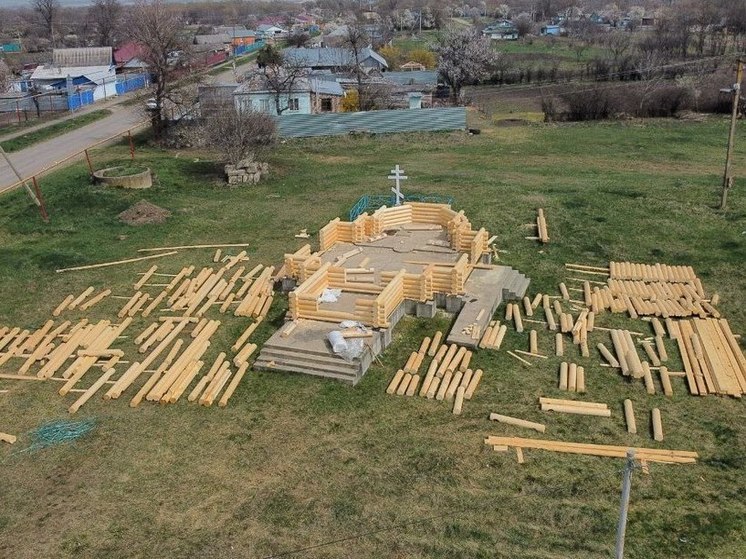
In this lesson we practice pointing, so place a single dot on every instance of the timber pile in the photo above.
(572, 377)
(647, 290)
(644, 454)
(493, 335)
(448, 375)
(713, 361)
(70, 352)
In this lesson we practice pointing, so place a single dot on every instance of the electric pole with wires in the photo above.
(621, 527)
(728, 175)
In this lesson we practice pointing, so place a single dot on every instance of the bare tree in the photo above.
(238, 135)
(48, 10)
(156, 27)
(279, 74)
(106, 16)
(464, 57)
(4, 77)
(617, 42)
(356, 39)
(298, 39)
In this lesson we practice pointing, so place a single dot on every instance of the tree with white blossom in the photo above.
(464, 57)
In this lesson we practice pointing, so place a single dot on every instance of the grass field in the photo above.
(53, 130)
(294, 462)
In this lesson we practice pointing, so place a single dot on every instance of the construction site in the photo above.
(405, 309)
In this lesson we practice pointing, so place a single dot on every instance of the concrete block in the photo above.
(410, 307)
(426, 310)
(454, 303)
(288, 284)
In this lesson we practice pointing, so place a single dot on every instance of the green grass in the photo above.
(13, 127)
(295, 461)
(53, 130)
(240, 61)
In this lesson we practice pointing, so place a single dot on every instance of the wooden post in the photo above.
(728, 175)
(20, 178)
(88, 159)
(132, 145)
(40, 200)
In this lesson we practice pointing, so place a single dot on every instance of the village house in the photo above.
(335, 59)
(306, 95)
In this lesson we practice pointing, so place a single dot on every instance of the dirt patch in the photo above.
(512, 122)
(144, 213)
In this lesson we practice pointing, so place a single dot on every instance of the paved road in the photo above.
(39, 157)
(47, 154)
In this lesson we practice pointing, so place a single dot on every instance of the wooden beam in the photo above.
(540, 427)
(193, 246)
(115, 263)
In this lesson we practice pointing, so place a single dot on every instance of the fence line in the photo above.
(80, 153)
(376, 122)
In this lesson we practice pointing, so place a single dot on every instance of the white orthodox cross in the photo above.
(397, 176)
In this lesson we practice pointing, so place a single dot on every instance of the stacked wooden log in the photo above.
(572, 377)
(448, 375)
(257, 296)
(541, 226)
(493, 335)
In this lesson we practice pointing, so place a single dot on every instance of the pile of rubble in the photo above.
(246, 171)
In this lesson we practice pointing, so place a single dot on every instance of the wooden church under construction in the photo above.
(407, 259)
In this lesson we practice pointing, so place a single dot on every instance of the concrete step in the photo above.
(294, 367)
(515, 286)
(333, 365)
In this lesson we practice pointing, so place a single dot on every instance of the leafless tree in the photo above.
(356, 39)
(238, 135)
(158, 28)
(106, 16)
(48, 10)
(298, 39)
(4, 77)
(280, 74)
(618, 43)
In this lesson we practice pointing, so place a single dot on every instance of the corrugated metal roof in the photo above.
(325, 87)
(330, 57)
(96, 74)
(79, 57)
(417, 77)
(378, 122)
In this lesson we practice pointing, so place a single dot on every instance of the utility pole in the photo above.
(728, 175)
(621, 527)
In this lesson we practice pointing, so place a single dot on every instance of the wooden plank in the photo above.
(115, 263)
(91, 391)
(540, 427)
(194, 246)
(657, 424)
(651, 455)
(629, 417)
(576, 410)
(233, 385)
(394, 384)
